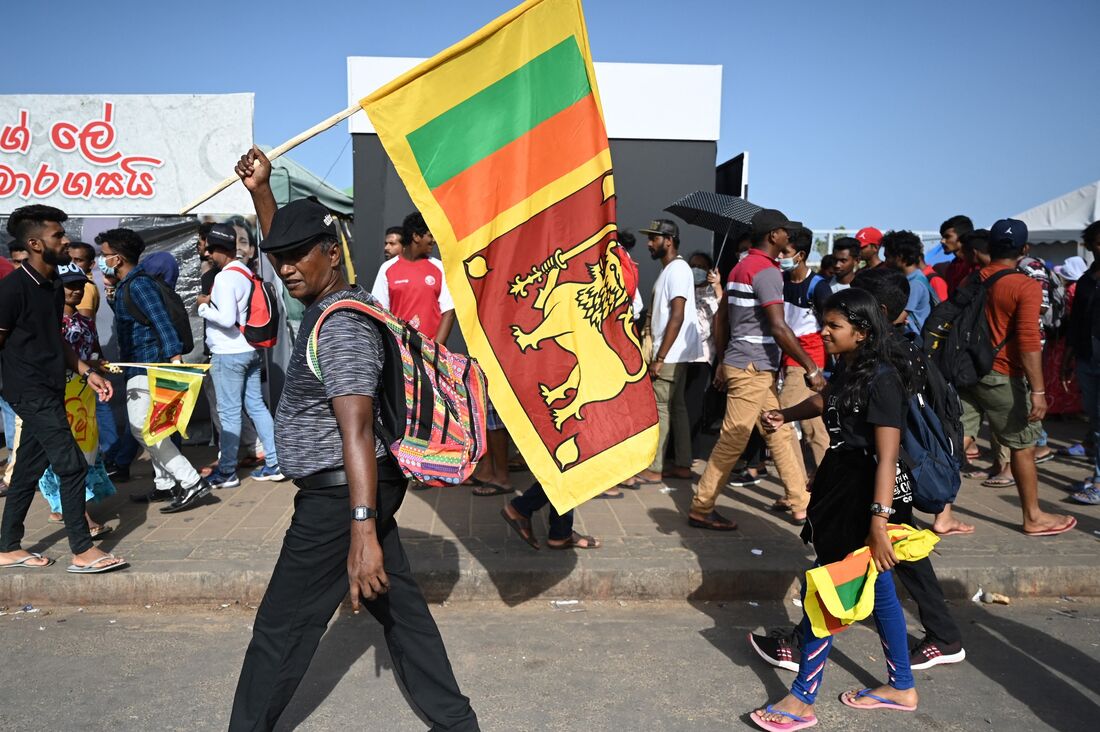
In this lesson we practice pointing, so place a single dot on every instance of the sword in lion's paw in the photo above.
(557, 260)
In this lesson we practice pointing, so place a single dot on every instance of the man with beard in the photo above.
(676, 344)
(32, 303)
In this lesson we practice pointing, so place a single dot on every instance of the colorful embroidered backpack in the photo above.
(433, 405)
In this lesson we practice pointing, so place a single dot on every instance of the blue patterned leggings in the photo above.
(890, 621)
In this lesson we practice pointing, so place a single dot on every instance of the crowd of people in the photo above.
(814, 370)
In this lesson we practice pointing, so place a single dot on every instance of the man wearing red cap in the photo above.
(869, 240)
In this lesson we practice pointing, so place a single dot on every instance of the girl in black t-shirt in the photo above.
(860, 486)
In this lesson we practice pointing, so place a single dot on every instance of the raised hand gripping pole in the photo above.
(282, 149)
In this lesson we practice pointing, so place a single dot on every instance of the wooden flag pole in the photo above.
(277, 152)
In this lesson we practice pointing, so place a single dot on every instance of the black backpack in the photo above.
(173, 304)
(956, 335)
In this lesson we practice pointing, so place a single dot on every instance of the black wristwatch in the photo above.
(362, 513)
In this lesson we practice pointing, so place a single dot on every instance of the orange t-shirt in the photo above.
(1012, 308)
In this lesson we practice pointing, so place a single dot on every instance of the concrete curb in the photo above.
(515, 581)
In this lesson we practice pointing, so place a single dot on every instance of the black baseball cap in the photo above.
(662, 227)
(297, 223)
(769, 219)
(222, 236)
(1009, 230)
(70, 273)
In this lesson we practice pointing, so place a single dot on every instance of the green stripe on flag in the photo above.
(171, 384)
(502, 112)
(849, 592)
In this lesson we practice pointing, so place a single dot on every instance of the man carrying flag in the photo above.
(146, 335)
(343, 536)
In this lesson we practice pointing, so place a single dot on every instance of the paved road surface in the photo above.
(611, 666)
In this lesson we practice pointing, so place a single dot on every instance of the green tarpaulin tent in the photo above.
(290, 182)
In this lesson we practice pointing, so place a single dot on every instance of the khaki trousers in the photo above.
(750, 393)
(672, 416)
(10, 470)
(795, 392)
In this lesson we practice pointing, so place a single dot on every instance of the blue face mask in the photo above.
(101, 262)
(787, 264)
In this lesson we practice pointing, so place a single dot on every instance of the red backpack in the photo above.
(261, 326)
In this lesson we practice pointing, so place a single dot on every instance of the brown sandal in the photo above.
(522, 526)
(574, 542)
(487, 489)
(713, 521)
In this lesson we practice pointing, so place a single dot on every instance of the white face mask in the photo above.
(787, 264)
(700, 276)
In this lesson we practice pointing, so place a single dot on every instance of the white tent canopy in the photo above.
(1063, 218)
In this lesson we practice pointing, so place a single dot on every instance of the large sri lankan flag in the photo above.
(500, 141)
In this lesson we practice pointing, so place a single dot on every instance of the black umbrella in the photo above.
(717, 212)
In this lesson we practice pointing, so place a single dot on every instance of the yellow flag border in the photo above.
(576, 484)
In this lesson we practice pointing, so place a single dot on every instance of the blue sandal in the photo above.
(796, 722)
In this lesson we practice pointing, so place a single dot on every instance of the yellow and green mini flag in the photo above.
(173, 391)
(500, 141)
(841, 593)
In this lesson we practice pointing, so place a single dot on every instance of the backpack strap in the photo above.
(128, 301)
(988, 285)
(343, 304)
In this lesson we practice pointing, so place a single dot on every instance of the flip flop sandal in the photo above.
(1054, 532)
(96, 567)
(573, 542)
(631, 484)
(56, 521)
(100, 531)
(521, 526)
(796, 722)
(999, 482)
(611, 496)
(976, 474)
(1076, 450)
(473, 481)
(713, 521)
(643, 482)
(1045, 458)
(23, 562)
(881, 702)
(488, 489)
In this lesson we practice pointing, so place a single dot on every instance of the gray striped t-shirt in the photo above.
(350, 354)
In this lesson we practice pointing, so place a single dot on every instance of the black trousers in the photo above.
(309, 583)
(920, 580)
(46, 441)
(532, 500)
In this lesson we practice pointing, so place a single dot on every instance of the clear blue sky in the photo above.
(896, 114)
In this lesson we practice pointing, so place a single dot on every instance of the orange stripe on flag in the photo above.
(494, 184)
(853, 566)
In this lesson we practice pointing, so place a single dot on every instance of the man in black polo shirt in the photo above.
(343, 535)
(32, 303)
